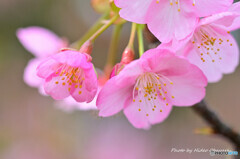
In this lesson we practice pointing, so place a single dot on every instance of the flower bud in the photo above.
(127, 57)
(100, 6)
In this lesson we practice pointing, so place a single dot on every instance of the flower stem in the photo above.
(111, 59)
(103, 28)
(140, 28)
(132, 36)
(91, 31)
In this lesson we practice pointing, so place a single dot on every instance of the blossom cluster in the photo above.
(196, 49)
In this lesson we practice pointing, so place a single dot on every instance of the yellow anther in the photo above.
(171, 83)
(56, 82)
(164, 98)
(155, 106)
(80, 86)
(134, 100)
(166, 104)
(173, 97)
(140, 101)
(147, 114)
(80, 92)
(76, 86)
(139, 109)
(231, 44)
(63, 83)
(201, 54)
(153, 109)
(69, 89)
(165, 84)
(213, 60)
(161, 110)
(63, 78)
(165, 92)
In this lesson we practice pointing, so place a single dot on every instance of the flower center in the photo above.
(177, 2)
(71, 76)
(207, 43)
(150, 89)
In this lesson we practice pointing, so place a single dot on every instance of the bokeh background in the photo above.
(31, 127)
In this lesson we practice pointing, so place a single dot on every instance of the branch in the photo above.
(217, 125)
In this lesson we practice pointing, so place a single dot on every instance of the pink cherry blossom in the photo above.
(147, 88)
(211, 47)
(170, 19)
(41, 43)
(69, 73)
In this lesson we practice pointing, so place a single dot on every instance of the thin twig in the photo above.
(217, 124)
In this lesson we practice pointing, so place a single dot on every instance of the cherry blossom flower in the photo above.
(147, 88)
(170, 19)
(41, 43)
(69, 73)
(211, 47)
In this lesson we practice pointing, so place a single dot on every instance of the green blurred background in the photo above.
(31, 127)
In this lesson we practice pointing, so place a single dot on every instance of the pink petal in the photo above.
(211, 72)
(165, 62)
(229, 59)
(188, 89)
(146, 116)
(134, 10)
(30, 73)
(40, 41)
(112, 97)
(224, 19)
(207, 7)
(47, 67)
(127, 77)
(73, 58)
(89, 86)
(235, 8)
(56, 91)
(166, 22)
(83, 95)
